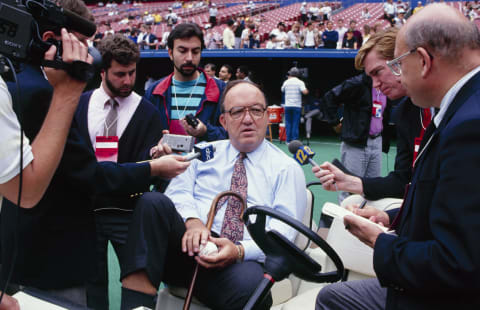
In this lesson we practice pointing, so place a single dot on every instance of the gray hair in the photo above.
(446, 39)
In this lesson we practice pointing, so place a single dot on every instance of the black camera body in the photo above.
(22, 20)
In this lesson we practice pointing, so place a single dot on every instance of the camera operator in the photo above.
(41, 158)
(56, 239)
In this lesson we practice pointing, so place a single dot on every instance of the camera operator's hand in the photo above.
(73, 50)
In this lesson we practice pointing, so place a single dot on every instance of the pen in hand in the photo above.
(364, 202)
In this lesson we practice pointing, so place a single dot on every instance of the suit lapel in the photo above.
(431, 137)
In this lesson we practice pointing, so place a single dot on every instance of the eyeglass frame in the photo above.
(395, 63)
(244, 111)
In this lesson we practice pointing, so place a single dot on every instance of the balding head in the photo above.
(439, 47)
(442, 30)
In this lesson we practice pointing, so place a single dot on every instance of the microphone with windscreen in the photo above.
(302, 153)
(202, 151)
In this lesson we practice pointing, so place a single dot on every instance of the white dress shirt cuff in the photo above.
(252, 251)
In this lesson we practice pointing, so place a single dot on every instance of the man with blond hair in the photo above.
(411, 122)
(432, 260)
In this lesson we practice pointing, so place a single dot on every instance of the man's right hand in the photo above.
(333, 179)
(9, 303)
(196, 234)
(371, 213)
(168, 166)
(73, 50)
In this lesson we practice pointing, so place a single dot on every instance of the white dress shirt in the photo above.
(97, 112)
(275, 180)
(450, 95)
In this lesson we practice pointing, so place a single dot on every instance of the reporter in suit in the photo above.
(411, 122)
(433, 260)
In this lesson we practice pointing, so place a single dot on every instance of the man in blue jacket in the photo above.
(432, 261)
(188, 89)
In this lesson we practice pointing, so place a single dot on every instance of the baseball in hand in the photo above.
(208, 249)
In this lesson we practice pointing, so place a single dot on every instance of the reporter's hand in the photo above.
(9, 303)
(338, 128)
(168, 166)
(371, 213)
(161, 148)
(328, 175)
(196, 234)
(364, 231)
(198, 132)
(227, 254)
(333, 179)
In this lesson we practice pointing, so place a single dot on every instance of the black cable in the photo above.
(15, 219)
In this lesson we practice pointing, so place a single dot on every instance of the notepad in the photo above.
(336, 211)
(28, 302)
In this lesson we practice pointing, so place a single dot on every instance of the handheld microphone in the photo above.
(302, 153)
(202, 151)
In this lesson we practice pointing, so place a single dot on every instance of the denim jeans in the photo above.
(292, 121)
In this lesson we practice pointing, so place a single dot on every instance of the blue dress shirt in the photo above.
(274, 180)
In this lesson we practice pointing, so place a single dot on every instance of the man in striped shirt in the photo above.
(188, 89)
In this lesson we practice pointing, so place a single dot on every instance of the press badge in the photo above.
(106, 148)
(377, 109)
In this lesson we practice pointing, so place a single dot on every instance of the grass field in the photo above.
(326, 149)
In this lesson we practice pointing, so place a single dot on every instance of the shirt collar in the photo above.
(253, 157)
(450, 95)
(122, 101)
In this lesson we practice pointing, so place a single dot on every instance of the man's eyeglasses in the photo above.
(395, 65)
(256, 111)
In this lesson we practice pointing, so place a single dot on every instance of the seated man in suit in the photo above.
(166, 233)
(411, 123)
(433, 259)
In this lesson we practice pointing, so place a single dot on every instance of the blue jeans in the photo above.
(292, 121)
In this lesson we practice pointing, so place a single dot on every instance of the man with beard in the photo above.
(188, 89)
(114, 111)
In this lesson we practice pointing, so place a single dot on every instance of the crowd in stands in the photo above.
(322, 25)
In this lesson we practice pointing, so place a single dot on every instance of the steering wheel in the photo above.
(283, 256)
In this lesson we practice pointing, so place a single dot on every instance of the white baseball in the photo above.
(208, 249)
